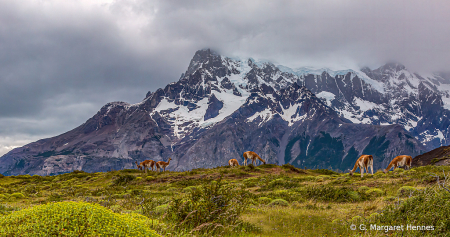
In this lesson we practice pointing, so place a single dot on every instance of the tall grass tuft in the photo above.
(211, 209)
(427, 208)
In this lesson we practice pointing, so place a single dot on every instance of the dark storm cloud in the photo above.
(411, 32)
(60, 61)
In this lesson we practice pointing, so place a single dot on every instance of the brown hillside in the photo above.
(438, 156)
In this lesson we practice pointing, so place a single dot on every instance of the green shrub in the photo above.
(25, 176)
(159, 210)
(2, 197)
(341, 180)
(357, 219)
(389, 198)
(123, 179)
(268, 166)
(304, 178)
(354, 196)
(37, 177)
(250, 182)
(405, 191)
(374, 216)
(193, 172)
(363, 189)
(427, 208)
(135, 192)
(17, 195)
(206, 208)
(189, 189)
(289, 195)
(172, 189)
(138, 178)
(321, 178)
(292, 168)
(73, 219)
(338, 222)
(150, 178)
(325, 172)
(375, 192)
(264, 200)
(279, 202)
(281, 183)
(379, 174)
(249, 167)
(331, 193)
(239, 172)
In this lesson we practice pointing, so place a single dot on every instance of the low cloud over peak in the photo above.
(80, 55)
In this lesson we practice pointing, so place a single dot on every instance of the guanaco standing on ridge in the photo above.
(162, 165)
(364, 162)
(145, 165)
(253, 156)
(233, 162)
(402, 160)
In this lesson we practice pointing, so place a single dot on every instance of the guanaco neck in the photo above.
(389, 166)
(355, 167)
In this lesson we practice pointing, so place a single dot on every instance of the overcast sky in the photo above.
(61, 61)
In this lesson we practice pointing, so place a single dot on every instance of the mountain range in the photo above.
(221, 107)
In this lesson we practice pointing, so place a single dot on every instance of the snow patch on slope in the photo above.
(364, 105)
(328, 96)
(445, 89)
(303, 71)
(184, 121)
(265, 116)
(290, 114)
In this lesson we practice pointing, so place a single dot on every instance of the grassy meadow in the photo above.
(266, 200)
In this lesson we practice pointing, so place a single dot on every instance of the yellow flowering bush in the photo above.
(73, 219)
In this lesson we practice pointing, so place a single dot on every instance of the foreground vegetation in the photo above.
(267, 200)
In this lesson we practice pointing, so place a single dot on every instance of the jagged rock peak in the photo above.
(114, 104)
(201, 57)
(391, 67)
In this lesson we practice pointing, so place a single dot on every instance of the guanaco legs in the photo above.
(145, 165)
(253, 156)
(402, 160)
(364, 162)
(162, 165)
(233, 162)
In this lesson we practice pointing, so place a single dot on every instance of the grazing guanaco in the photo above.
(162, 165)
(233, 162)
(145, 165)
(253, 156)
(402, 160)
(364, 162)
(138, 165)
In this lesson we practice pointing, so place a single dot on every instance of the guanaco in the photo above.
(145, 165)
(402, 160)
(253, 156)
(162, 165)
(364, 162)
(233, 162)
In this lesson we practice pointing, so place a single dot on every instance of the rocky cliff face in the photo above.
(221, 107)
(438, 156)
(386, 96)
